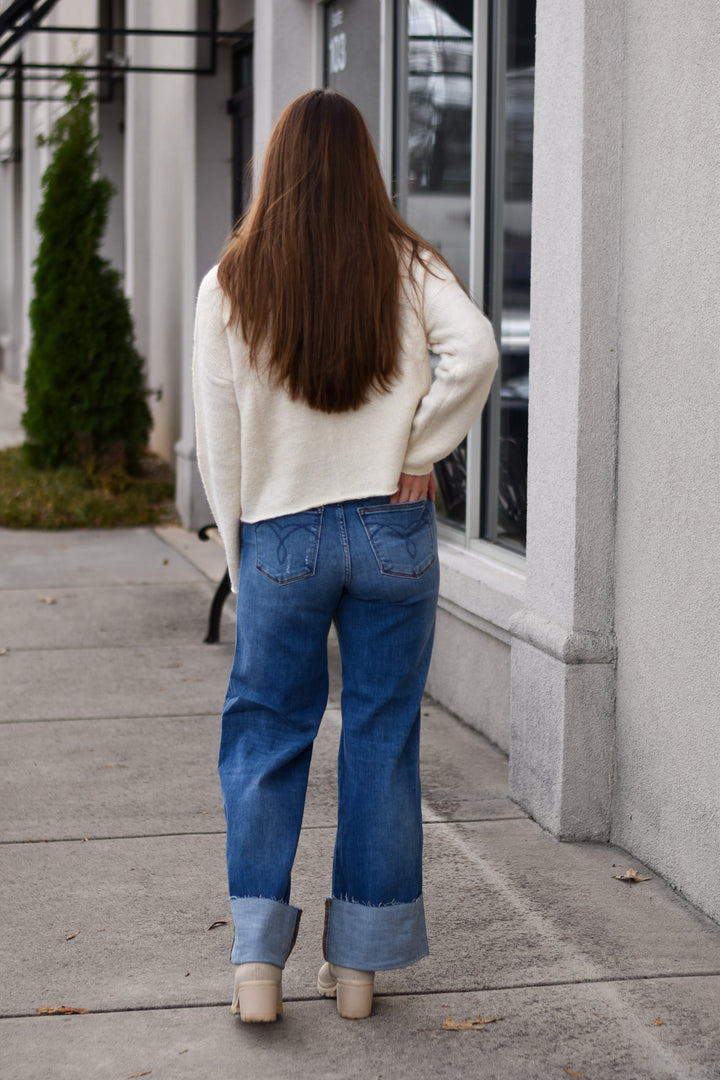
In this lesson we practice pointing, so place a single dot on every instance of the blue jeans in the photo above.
(372, 566)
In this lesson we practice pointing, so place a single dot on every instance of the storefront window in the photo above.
(433, 167)
(352, 56)
(439, 108)
(479, 219)
(512, 83)
(439, 59)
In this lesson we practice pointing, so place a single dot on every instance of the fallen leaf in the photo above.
(467, 1025)
(581, 1076)
(630, 875)
(71, 936)
(60, 1010)
(218, 922)
(134, 1076)
(658, 1022)
(185, 1051)
(46, 600)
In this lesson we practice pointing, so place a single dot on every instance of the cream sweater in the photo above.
(262, 455)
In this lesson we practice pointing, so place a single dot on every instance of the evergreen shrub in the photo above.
(85, 393)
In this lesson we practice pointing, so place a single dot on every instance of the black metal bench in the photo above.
(221, 594)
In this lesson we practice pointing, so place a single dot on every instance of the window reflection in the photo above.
(434, 184)
(514, 145)
(439, 127)
(436, 172)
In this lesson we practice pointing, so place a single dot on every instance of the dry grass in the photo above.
(64, 498)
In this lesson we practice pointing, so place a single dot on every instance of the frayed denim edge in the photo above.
(374, 938)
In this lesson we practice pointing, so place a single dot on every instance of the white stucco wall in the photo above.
(208, 212)
(667, 795)
(562, 675)
(172, 123)
(159, 163)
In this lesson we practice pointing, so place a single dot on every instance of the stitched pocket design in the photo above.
(287, 547)
(402, 536)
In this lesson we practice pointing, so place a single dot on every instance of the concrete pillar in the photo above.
(207, 217)
(563, 650)
(284, 67)
(285, 60)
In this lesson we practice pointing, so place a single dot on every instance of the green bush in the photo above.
(85, 394)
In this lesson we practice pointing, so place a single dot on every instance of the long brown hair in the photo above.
(313, 272)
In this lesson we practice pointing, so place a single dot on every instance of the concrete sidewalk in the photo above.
(113, 886)
(112, 870)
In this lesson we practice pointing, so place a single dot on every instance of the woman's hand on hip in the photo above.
(412, 488)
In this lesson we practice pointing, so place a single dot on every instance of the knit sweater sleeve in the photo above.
(468, 357)
(217, 419)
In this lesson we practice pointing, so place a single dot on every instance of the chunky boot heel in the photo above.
(257, 997)
(353, 990)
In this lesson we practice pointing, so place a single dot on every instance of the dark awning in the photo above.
(25, 17)
(19, 19)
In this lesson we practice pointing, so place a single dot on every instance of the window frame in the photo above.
(485, 183)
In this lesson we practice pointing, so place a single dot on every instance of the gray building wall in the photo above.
(667, 772)
(615, 684)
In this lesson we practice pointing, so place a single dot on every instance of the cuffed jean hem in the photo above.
(374, 938)
(265, 930)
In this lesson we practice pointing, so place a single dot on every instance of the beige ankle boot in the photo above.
(258, 993)
(353, 989)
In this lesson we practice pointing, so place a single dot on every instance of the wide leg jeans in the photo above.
(372, 566)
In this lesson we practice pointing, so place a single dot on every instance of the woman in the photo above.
(317, 428)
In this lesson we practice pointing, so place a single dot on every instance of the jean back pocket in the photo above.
(286, 548)
(402, 536)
